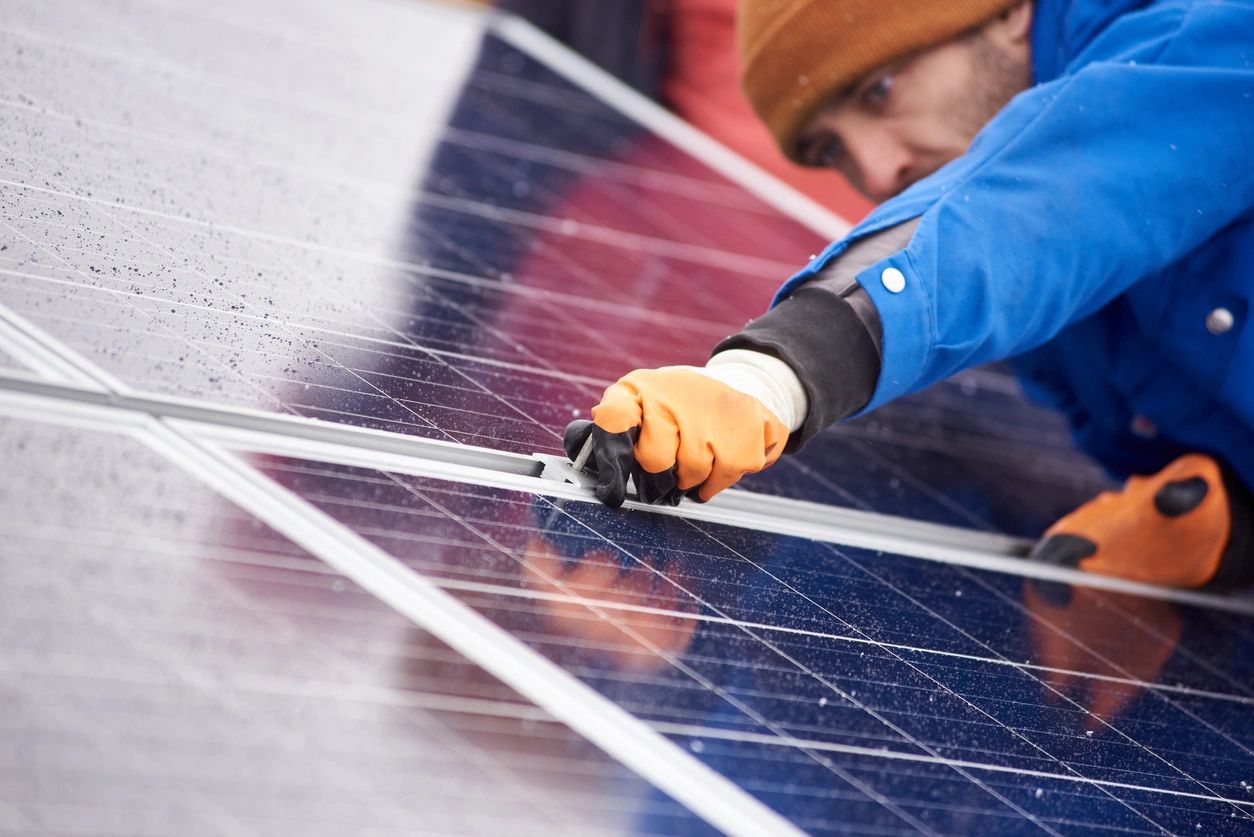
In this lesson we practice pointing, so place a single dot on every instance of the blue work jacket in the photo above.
(1101, 228)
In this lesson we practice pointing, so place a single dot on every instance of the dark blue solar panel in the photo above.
(915, 694)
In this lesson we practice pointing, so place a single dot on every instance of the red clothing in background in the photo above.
(702, 85)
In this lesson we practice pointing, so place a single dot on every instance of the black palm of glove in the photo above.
(613, 460)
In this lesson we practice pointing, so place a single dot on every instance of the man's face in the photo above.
(903, 122)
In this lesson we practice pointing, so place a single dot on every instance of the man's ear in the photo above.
(1012, 27)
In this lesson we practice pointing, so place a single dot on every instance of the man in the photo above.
(1067, 182)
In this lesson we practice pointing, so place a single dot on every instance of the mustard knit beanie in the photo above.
(797, 54)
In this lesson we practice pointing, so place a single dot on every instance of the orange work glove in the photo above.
(1175, 528)
(708, 434)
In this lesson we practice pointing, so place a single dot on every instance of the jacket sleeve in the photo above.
(1077, 189)
(829, 333)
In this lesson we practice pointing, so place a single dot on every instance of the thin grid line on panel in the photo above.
(248, 87)
(100, 375)
(566, 299)
(1246, 688)
(706, 255)
(714, 330)
(542, 365)
(363, 258)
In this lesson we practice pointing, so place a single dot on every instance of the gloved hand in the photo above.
(1182, 527)
(613, 461)
(678, 432)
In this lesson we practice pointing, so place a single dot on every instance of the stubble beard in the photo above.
(997, 78)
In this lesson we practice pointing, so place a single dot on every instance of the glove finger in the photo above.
(1179, 497)
(694, 462)
(1062, 550)
(656, 488)
(614, 457)
(619, 410)
(575, 436)
(658, 444)
(721, 477)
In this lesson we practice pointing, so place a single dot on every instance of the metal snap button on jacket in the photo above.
(1219, 321)
(894, 280)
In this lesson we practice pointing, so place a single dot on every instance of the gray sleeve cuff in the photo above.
(829, 332)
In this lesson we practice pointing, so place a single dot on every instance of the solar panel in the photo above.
(768, 648)
(173, 664)
(290, 294)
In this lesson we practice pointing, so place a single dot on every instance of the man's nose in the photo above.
(882, 165)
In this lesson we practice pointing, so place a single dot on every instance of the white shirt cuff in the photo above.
(765, 378)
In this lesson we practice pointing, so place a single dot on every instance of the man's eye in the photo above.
(823, 153)
(877, 93)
